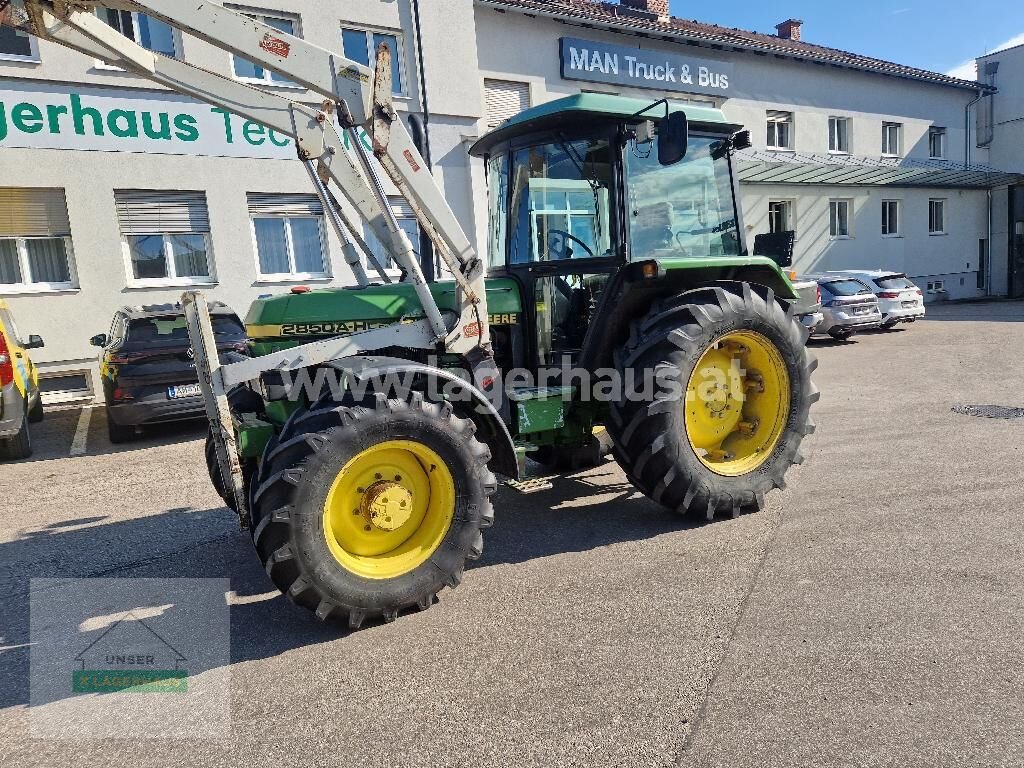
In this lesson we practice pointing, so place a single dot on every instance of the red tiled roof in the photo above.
(616, 16)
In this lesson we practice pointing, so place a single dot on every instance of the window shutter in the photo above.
(33, 212)
(782, 117)
(145, 212)
(505, 99)
(401, 208)
(261, 204)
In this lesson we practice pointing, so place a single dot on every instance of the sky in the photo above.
(937, 35)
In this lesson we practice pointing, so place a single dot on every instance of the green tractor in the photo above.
(623, 310)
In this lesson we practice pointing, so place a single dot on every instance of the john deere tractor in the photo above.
(361, 442)
(616, 267)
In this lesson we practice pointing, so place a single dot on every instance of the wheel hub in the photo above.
(737, 400)
(388, 505)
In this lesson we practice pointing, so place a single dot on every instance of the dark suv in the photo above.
(147, 365)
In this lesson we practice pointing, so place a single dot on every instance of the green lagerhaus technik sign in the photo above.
(48, 116)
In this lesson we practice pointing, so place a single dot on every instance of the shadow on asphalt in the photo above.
(578, 514)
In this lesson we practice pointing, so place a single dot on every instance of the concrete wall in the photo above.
(528, 47)
(952, 257)
(1007, 149)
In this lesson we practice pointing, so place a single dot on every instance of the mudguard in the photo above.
(468, 401)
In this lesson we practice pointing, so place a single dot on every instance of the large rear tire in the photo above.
(365, 508)
(728, 406)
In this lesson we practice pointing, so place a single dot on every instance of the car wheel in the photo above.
(841, 335)
(35, 414)
(119, 433)
(890, 324)
(19, 446)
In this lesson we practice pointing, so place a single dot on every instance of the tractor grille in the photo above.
(990, 411)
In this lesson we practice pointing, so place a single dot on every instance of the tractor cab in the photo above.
(586, 190)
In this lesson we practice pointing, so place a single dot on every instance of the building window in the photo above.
(839, 135)
(935, 286)
(35, 241)
(839, 219)
(360, 45)
(937, 143)
(891, 218)
(780, 130)
(289, 234)
(165, 237)
(250, 70)
(16, 45)
(892, 139)
(150, 33)
(505, 99)
(936, 217)
(780, 216)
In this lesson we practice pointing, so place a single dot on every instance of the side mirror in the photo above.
(99, 340)
(673, 138)
(777, 246)
(35, 342)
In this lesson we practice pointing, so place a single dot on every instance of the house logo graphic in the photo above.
(129, 656)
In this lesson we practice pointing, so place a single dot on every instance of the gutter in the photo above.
(580, 18)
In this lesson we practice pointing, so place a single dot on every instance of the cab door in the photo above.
(562, 245)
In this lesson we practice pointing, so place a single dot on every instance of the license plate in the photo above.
(185, 390)
(861, 310)
(909, 304)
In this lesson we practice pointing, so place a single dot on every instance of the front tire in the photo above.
(365, 508)
(20, 445)
(729, 405)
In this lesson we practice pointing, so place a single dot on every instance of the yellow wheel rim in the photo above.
(389, 509)
(737, 403)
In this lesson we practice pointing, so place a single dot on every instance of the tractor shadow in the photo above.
(582, 511)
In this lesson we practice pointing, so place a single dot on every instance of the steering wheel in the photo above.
(560, 250)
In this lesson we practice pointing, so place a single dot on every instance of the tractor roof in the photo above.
(584, 107)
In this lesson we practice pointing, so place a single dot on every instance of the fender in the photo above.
(469, 402)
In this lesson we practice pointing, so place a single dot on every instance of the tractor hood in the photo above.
(302, 316)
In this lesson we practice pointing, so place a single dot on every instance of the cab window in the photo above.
(561, 201)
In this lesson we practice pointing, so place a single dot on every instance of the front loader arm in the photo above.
(356, 96)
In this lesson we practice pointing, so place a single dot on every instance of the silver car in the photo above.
(848, 306)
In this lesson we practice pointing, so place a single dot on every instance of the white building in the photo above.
(116, 192)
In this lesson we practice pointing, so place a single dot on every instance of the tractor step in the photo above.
(530, 485)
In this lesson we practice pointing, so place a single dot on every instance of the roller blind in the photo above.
(505, 99)
(284, 205)
(33, 212)
(401, 208)
(144, 212)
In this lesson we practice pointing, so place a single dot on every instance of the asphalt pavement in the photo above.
(870, 616)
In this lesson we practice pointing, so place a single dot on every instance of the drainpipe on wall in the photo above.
(967, 131)
(988, 248)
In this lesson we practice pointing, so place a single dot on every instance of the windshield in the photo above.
(894, 282)
(560, 201)
(684, 209)
(846, 287)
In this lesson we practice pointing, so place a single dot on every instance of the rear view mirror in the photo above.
(99, 340)
(673, 138)
(35, 342)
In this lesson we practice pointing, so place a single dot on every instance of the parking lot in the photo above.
(872, 615)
